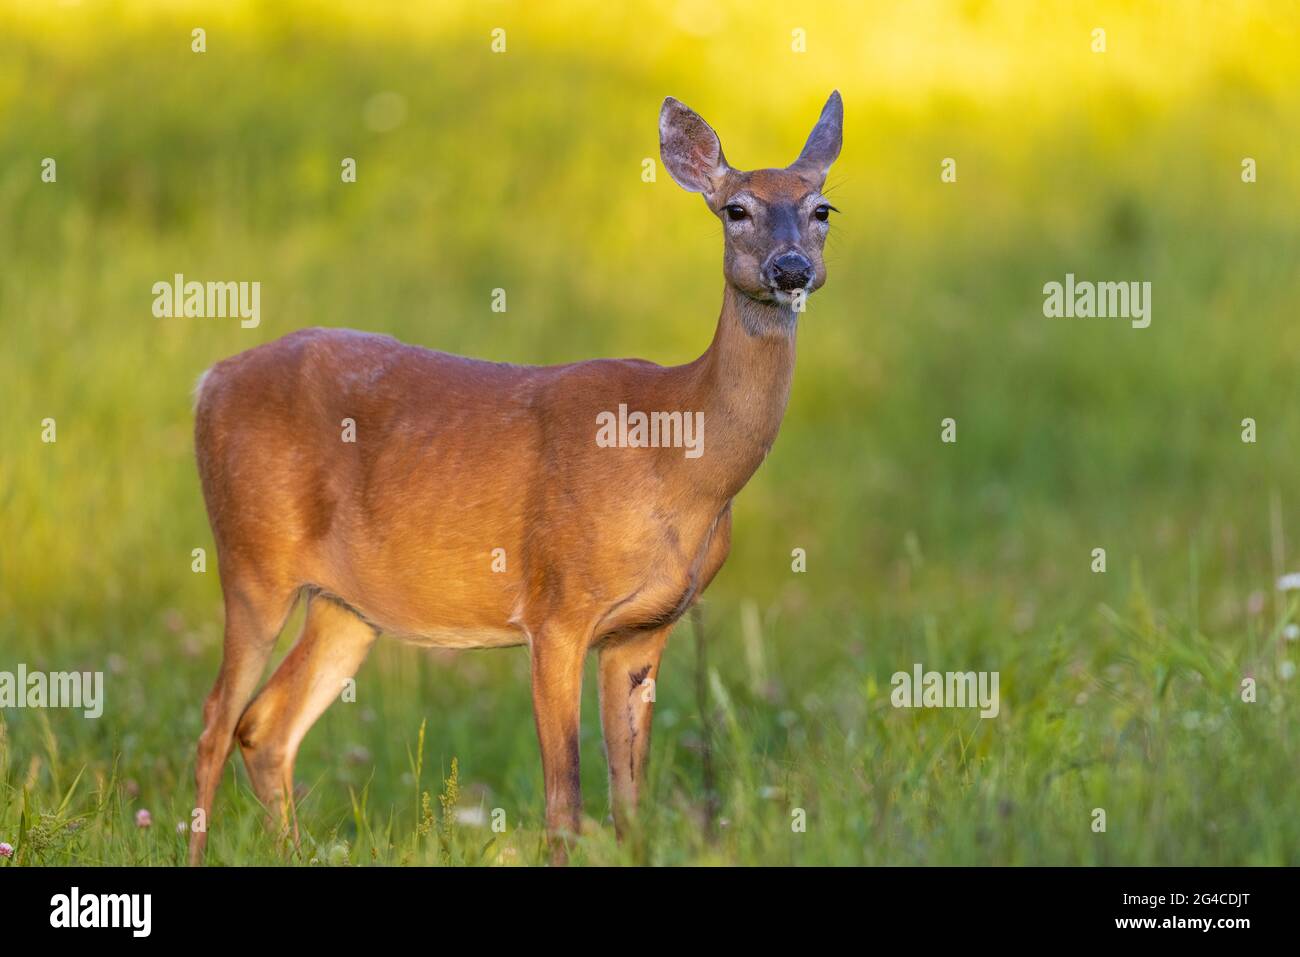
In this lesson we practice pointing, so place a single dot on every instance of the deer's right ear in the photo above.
(823, 146)
(690, 149)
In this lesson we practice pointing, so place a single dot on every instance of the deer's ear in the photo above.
(690, 149)
(823, 144)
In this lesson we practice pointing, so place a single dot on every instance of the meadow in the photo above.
(523, 170)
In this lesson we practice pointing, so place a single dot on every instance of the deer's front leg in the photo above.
(629, 670)
(557, 701)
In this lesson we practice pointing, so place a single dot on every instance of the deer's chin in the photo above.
(761, 292)
(771, 295)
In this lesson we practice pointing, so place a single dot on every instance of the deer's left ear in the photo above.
(823, 144)
(691, 151)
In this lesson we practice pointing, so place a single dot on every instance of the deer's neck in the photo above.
(742, 384)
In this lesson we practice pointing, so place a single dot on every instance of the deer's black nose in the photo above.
(790, 270)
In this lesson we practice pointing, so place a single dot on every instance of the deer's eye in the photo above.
(735, 212)
(823, 212)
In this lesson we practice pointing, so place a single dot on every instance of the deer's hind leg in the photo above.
(333, 644)
(254, 618)
(558, 655)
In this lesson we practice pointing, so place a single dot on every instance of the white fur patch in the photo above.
(198, 387)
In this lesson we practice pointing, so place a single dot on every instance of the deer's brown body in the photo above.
(454, 459)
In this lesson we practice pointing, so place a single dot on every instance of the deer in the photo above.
(472, 507)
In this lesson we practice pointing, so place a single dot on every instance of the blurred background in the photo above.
(522, 170)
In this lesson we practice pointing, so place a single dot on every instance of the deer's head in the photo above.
(775, 221)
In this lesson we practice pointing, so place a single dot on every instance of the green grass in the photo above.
(1119, 690)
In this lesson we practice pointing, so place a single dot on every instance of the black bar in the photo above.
(336, 906)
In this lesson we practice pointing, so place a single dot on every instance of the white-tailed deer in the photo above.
(469, 504)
